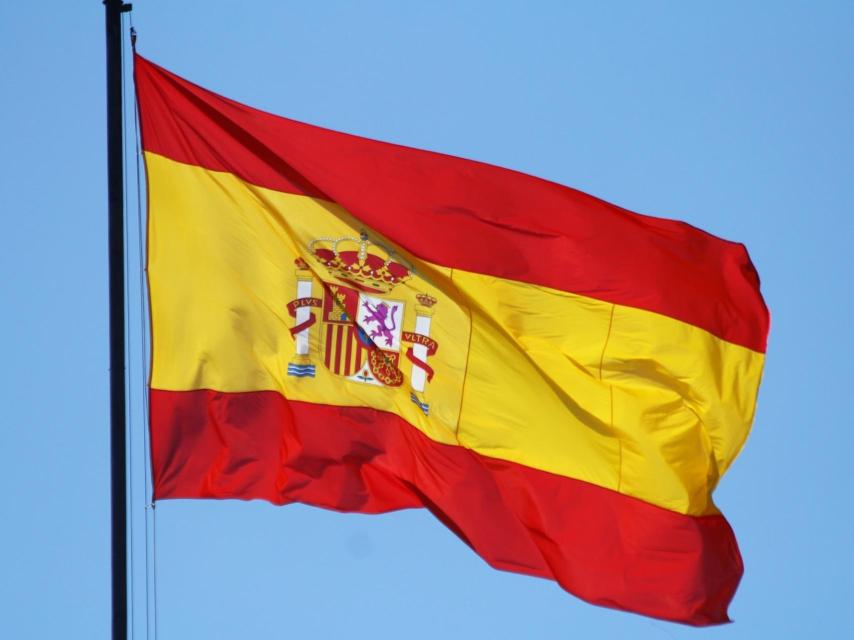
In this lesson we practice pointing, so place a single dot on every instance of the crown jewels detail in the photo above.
(425, 300)
(359, 262)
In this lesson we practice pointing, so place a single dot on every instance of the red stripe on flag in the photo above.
(339, 330)
(349, 349)
(360, 353)
(604, 547)
(327, 354)
(465, 214)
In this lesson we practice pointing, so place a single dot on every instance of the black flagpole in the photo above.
(118, 403)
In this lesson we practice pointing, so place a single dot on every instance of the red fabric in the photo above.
(602, 546)
(465, 214)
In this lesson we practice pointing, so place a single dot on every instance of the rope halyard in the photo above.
(142, 293)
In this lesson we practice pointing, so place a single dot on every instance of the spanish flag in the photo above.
(366, 327)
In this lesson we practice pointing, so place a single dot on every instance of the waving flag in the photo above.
(366, 327)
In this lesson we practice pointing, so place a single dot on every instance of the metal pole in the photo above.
(118, 402)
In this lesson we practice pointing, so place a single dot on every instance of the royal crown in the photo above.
(349, 259)
(425, 300)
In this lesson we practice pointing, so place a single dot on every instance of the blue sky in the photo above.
(736, 117)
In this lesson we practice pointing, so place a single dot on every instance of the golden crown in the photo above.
(425, 300)
(349, 259)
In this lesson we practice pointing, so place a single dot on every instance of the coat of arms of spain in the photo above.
(362, 335)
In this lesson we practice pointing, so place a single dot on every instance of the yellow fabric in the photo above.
(620, 397)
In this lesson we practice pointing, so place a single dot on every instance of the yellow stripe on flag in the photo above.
(623, 398)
